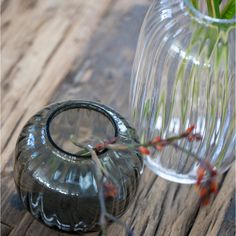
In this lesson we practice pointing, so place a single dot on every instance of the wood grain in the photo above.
(37, 74)
(5, 229)
(57, 50)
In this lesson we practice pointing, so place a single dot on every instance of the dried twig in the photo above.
(204, 188)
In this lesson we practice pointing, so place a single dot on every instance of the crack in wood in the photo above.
(175, 194)
(161, 213)
(192, 221)
(10, 70)
(151, 183)
(6, 224)
(145, 227)
(159, 221)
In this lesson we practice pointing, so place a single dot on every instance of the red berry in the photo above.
(203, 192)
(213, 187)
(100, 146)
(159, 147)
(156, 140)
(143, 150)
(110, 190)
(190, 129)
(200, 174)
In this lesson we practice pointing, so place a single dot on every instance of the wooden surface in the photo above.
(54, 50)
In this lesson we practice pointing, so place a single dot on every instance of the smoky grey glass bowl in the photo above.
(60, 188)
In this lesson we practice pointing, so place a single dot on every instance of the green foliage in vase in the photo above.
(210, 41)
(216, 8)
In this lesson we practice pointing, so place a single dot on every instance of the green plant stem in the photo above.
(104, 214)
(121, 147)
(213, 8)
(99, 176)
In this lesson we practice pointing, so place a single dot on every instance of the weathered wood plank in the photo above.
(12, 211)
(33, 84)
(228, 226)
(15, 41)
(50, 36)
(95, 63)
(5, 229)
(210, 219)
(23, 226)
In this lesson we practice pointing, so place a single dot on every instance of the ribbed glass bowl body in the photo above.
(59, 187)
(184, 73)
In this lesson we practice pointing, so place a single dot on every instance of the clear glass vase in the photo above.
(183, 74)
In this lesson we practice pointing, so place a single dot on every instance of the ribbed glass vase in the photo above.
(184, 73)
(57, 184)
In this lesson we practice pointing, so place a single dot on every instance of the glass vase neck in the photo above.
(203, 18)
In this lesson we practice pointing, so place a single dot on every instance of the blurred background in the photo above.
(56, 50)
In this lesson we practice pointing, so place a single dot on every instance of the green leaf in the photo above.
(229, 10)
(213, 8)
(216, 4)
(209, 8)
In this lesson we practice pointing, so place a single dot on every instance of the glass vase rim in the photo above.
(76, 104)
(205, 18)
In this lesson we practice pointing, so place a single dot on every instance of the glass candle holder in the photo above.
(59, 187)
(184, 74)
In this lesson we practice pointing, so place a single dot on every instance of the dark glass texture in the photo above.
(59, 187)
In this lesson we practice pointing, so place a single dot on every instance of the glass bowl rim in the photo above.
(86, 105)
